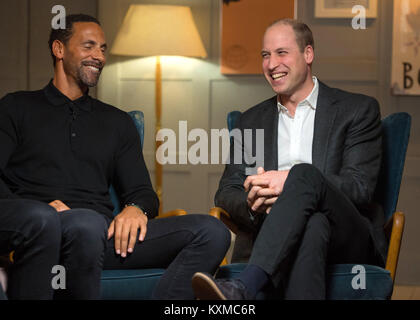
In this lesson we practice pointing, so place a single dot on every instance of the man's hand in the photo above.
(59, 206)
(124, 229)
(264, 189)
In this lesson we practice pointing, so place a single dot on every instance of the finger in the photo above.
(117, 236)
(253, 193)
(248, 182)
(257, 204)
(268, 210)
(111, 229)
(124, 239)
(52, 205)
(270, 201)
(267, 192)
(143, 230)
(260, 170)
(132, 241)
(62, 208)
(260, 182)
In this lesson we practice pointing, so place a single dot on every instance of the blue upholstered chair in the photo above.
(132, 284)
(379, 281)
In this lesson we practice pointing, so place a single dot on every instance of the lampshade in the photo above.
(158, 30)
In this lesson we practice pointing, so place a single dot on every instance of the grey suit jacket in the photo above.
(346, 149)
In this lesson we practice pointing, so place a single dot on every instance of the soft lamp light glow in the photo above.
(156, 30)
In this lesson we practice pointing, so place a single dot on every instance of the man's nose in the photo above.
(99, 55)
(273, 62)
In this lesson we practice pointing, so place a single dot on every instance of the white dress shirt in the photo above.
(295, 134)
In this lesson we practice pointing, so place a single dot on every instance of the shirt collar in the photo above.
(310, 100)
(57, 98)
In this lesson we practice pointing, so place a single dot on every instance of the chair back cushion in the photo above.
(232, 119)
(138, 119)
(395, 136)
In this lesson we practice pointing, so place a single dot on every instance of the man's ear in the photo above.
(309, 54)
(58, 49)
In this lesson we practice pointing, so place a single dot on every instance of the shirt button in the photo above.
(73, 134)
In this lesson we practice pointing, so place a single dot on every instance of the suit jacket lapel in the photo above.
(324, 119)
(270, 120)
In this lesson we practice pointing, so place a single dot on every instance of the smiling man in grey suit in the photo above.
(308, 206)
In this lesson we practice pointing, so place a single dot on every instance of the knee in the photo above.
(306, 173)
(88, 228)
(213, 233)
(38, 218)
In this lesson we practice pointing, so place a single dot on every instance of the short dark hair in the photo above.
(303, 33)
(64, 35)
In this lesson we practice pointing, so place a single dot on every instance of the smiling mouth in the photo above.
(276, 76)
(93, 67)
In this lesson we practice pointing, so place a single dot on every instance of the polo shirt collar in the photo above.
(57, 98)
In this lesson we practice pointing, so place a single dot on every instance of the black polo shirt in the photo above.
(52, 148)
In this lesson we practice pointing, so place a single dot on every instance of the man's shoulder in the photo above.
(23, 95)
(20, 101)
(343, 97)
(109, 110)
(105, 107)
(113, 116)
(264, 106)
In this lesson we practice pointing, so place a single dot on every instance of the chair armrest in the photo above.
(396, 224)
(172, 213)
(6, 260)
(224, 216)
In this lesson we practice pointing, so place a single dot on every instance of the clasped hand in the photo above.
(264, 188)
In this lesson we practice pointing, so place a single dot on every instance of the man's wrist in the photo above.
(132, 204)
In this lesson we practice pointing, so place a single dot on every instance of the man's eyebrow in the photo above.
(94, 43)
(89, 42)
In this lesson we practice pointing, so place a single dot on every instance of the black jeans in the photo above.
(77, 240)
(183, 245)
(311, 224)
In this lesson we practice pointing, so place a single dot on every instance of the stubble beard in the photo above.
(85, 79)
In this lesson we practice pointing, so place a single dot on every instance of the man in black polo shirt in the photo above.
(60, 151)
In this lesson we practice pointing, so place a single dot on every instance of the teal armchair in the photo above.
(379, 281)
(132, 284)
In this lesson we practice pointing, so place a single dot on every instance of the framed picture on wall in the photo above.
(405, 78)
(343, 8)
(243, 26)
